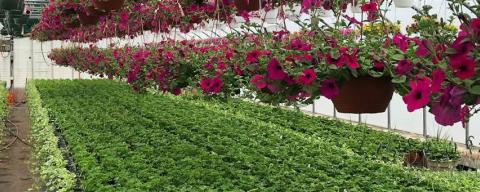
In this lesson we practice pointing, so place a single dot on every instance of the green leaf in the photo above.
(398, 57)
(474, 90)
(399, 79)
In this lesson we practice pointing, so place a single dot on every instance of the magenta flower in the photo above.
(278, 35)
(447, 110)
(176, 91)
(259, 81)
(463, 66)
(401, 41)
(403, 67)
(329, 88)
(419, 95)
(253, 55)
(422, 50)
(438, 76)
(378, 65)
(475, 26)
(461, 46)
(369, 7)
(275, 71)
(351, 60)
(245, 15)
(298, 44)
(221, 66)
(210, 85)
(334, 61)
(352, 20)
(141, 55)
(132, 73)
(307, 77)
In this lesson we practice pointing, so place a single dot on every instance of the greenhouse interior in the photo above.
(239, 95)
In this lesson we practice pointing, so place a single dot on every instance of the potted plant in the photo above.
(247, 5)
(441, 154)
(108, 5)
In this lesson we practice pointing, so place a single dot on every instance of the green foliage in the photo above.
(124, 141)
(3, 109)
(48, 160)
(440, 150)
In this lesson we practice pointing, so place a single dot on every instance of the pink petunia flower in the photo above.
(401, 41)
(253, 55)
(307, 77)
(403, 67)
(422, 50)
(378, 65)
(275, 70)
(369, 7)
(351, 60)
(463, 66)
(259, 81)
(329, 88)
(447, 110)
(334, 61)
(438, 76)
(419, 95)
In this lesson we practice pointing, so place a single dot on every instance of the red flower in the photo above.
(308, 77)
(403, 67)
(463, 66)
(259, 81)
(369, 7)
(329, 88)
(275, 71)
(438, 76)
(419, 96)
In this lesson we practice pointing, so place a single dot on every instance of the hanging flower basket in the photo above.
(364, 94)
(441, 165)
(88, 19)
(108, 5)
(247, 5)
(403, 3)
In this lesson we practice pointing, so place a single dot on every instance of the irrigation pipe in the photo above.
(13, 141)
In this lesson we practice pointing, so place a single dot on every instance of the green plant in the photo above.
(123, 141)
(440, 150)
(48, 160)
(3, 109)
